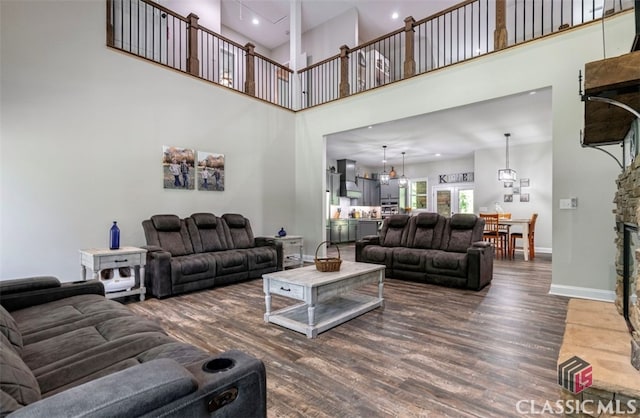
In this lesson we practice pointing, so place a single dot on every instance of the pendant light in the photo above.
(403, 182)
(507, 174)
(384, 176)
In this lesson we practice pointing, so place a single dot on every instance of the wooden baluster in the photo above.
(109, 22)
(344, 71)
(250, 81)
(409, 60)
(193, 63)
(500, 33)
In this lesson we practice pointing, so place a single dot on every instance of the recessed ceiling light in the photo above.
(438, 155)
(394, 15)
(369, 127)
(255, 21)
(532, 92)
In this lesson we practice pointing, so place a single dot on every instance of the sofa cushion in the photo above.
(239, 229)
(205, 220)
(425, 231)
(16, 379)
(234, 220)
(426, 220)
(9, 328)
(192, 268)
(166, 222)
(448, 263)
(463, 221)
(393, 233)
(7, 404)
(207, 233)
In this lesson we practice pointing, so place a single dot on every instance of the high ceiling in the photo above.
(452, 133)
(272, 30)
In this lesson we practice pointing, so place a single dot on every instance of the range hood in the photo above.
(348, 186)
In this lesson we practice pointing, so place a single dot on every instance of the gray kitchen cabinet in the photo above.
(390, 191)
(370, 192)
(353, 230)
(367, 227)
(339, 231)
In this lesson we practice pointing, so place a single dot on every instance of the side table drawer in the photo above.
(286, 289)
(115, 261)
(292, 244)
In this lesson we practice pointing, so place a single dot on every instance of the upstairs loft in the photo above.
(463, 32)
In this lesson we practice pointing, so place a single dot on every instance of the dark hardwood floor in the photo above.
(432, 352)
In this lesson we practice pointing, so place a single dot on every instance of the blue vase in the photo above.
(114, 236)
(282, 232)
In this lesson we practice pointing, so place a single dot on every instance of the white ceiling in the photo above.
(374, 16)
(452, 133)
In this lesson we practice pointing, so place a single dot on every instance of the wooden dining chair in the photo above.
(505, 232)
(531, 238)
(492, 233)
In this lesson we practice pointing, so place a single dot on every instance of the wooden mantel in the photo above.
(614, 78)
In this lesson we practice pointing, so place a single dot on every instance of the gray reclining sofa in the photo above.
(66, 350)
(204, 250)
(431, 248)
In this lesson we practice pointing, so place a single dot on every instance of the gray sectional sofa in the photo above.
(204, 250)
(430, 248)
(66, 350)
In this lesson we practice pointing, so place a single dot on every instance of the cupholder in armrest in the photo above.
(220, 364)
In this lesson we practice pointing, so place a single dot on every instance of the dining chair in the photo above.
(531, 238)
(505, 232)
(492, 233)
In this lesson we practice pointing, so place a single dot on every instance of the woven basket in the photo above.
(327, 264)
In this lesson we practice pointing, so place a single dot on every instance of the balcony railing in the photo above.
(465, 31)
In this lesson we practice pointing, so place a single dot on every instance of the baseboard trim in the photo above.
(582, 293)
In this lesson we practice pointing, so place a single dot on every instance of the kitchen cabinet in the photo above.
(339, 231)
(370, 192)
(353, 230)
(333, 187)
(390, 191)
(367, 227)
(343, 230)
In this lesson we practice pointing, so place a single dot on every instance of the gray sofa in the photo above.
(65, 350)
(204, 250)
(430, 248)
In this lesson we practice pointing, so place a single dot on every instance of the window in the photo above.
(419, 194)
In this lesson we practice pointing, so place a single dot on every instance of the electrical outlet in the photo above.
(570, 203)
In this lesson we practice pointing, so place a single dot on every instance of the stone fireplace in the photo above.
(627, 217)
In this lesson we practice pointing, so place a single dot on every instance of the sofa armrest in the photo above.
(366, 240)
(157, 271)
(162, 387)
(272, 242)
(131, 392)
(23, 293)
(480, 264)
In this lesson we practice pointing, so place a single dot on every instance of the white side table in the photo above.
(292, 246)
(97, 259)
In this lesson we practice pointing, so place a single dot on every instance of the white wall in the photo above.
(532, 161)
(325, 40)
(82, 130)
(208, 11)
(582, 239)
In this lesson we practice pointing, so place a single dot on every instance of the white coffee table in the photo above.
(328, 298)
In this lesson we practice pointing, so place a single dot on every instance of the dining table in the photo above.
(524, 223)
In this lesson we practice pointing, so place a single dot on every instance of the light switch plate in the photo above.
(570, 203)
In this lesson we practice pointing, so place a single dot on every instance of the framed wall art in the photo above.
(211, 173)
(178, 168)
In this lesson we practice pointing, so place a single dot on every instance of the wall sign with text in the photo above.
(456, 178)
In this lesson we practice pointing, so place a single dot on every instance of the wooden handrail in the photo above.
(444, 12)
(318, 64)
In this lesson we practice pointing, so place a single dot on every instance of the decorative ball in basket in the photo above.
(327, 264)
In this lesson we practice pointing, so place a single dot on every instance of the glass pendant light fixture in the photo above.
(403, 181)
(384, 176)
(507, 174)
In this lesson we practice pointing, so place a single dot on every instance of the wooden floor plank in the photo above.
(432, 350)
